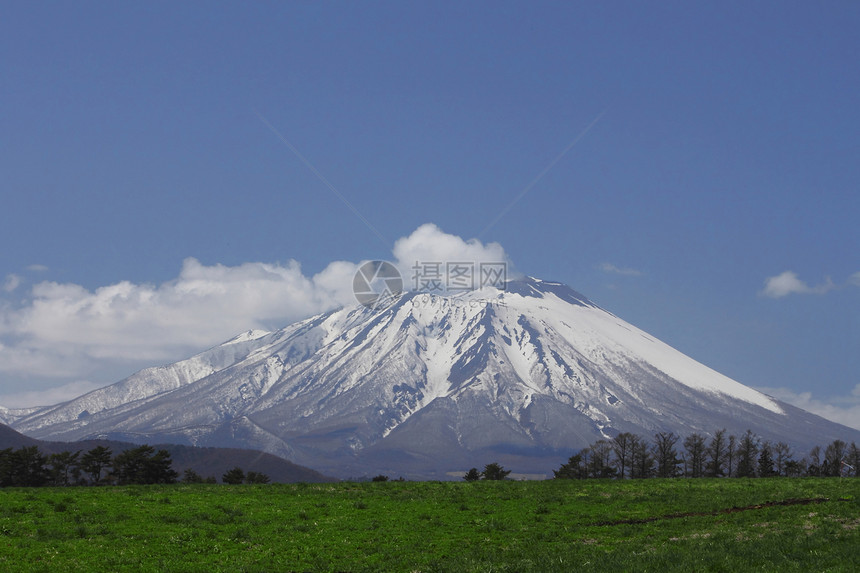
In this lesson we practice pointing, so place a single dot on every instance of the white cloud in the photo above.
(11, 283)
(429, 244)
(37, 268)
(612, 269)
(202, 306)
(32, 360)
(854, 279)
(841, 409)
(63, 331)
(336, 281)
(788, 283)
(49, 396)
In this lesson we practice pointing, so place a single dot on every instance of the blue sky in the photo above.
(710, 196)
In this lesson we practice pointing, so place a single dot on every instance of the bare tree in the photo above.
(731, 455)
(781, 456)
(854, 459)
(833, 456)
(621, 447)
(665, 454)
(586, 461)
(716, 454)
(694, 444)
(813, 466)
(747, 454)
(641, 459)
(600, 464)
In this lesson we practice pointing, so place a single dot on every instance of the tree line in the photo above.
(628, 455)
(29, 467)
(492, 472)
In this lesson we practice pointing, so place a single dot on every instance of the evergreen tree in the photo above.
(747, 455)
(158, 468)
(191, 476)
(7, 474)
(261, 478)
(64, 468)
(794, 468)
(765, 460)
(94, 462)
(29, 467)
(24, 467)
(573, 469)
(234, 476)
(128, 466)
(472, 475)
(494, 471)
(143, 465)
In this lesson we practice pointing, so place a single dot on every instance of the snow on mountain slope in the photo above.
(598, 332)
(429, 383)
(150, 381)
(9, 415)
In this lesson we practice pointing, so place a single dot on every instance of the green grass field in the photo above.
(647, 525)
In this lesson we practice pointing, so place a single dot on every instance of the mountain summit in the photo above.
(432, 385)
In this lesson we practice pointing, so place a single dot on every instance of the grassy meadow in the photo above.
(775, 524)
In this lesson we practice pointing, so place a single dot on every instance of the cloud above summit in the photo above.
(429, 246)
(66, 331)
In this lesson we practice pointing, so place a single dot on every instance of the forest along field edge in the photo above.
(624, 456)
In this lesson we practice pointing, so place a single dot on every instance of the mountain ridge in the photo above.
(429, 383)
(206, 461)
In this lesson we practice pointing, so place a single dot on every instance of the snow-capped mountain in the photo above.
(429, 385)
